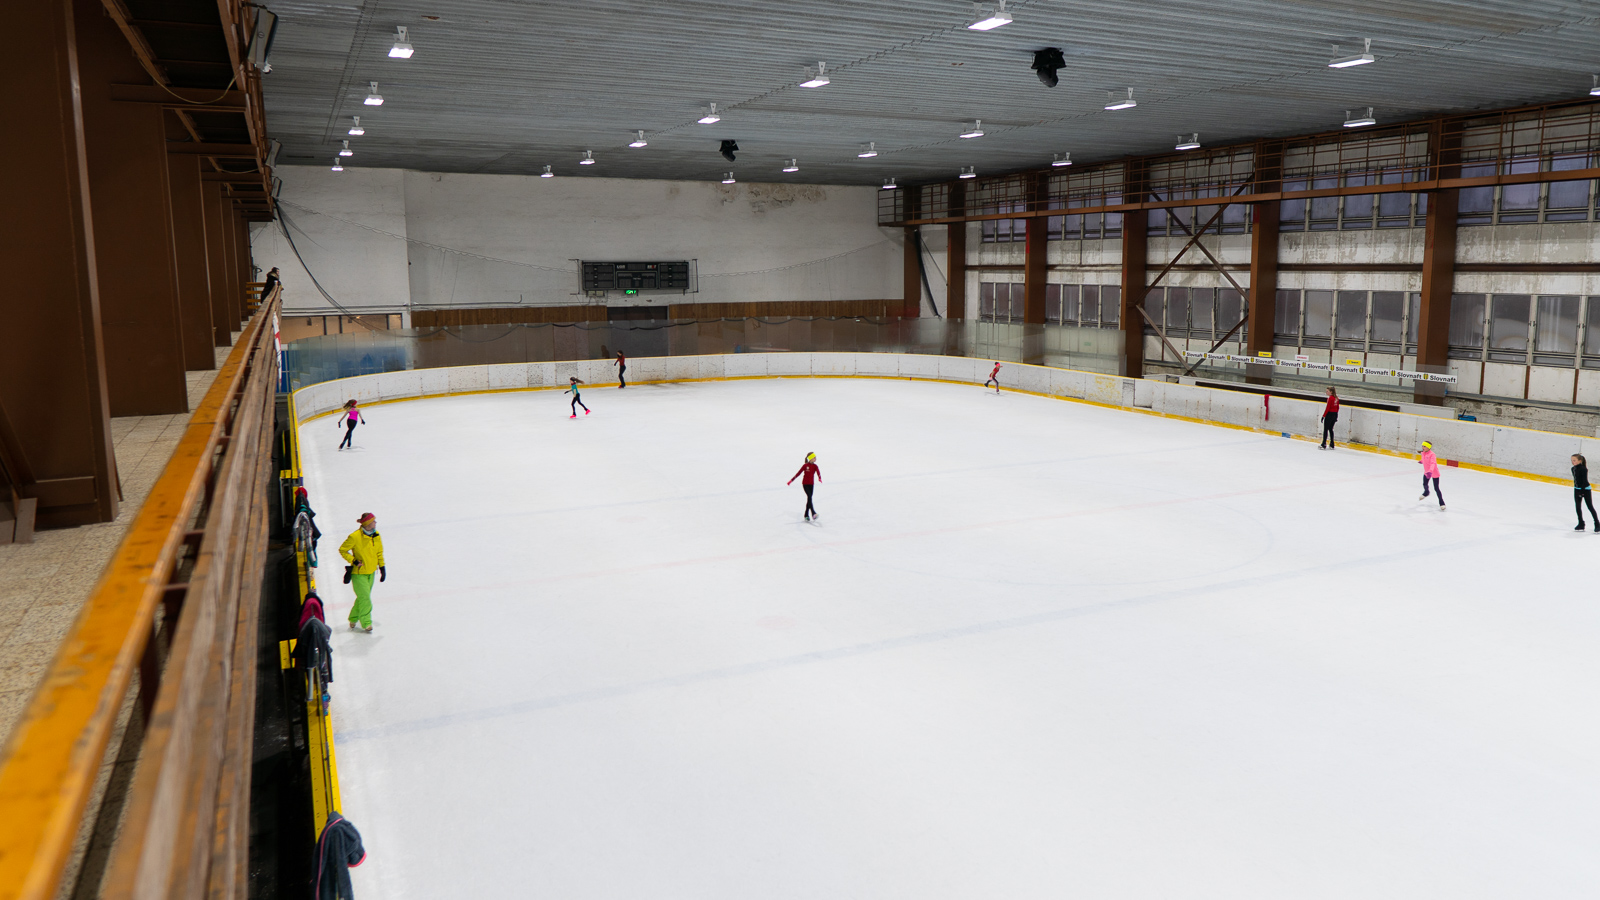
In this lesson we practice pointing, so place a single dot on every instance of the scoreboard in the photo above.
(636, 276)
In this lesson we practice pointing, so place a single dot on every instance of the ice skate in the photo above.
(1579, 528)
(368, 629)
(573, 416)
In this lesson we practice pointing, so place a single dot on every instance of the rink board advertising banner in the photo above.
(1345, 368)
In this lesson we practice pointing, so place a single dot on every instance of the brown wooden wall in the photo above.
(449, 318)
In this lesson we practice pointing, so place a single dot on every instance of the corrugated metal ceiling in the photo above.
(503, 86)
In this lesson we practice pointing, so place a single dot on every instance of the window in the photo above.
(1001, 302)
(1052, 303)
(1555, 331)
(1286, 326)
(1520, 202)
(1110, 305)
(1568, 200)
(1413, 316)
(1324, 210)
(1591, 328)
(1202, 311)
(1177, 323)
(1350, 322)
(1292, 213)
(1466, 326)
(1388, 308)
(1476, 206)
(1019, 302)
(1157, 221)
(1089, 314)
(1154, 302)
(1004, 231)
(1319, 318)
(986, 299)
(1230, 309)
(1358, 207)
(1508, 327)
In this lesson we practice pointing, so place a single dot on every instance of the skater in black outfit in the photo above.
(1580, 491)
(807, 474)
(622, 370)
(1330, 415)
(352, 415)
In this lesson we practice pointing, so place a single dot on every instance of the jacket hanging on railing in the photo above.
(338, 849)
(311, 649)
(311, 609)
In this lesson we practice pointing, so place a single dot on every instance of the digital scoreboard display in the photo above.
(636, 276)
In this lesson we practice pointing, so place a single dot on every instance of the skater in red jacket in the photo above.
(994, 376)
(807, 474)
(1330, 415)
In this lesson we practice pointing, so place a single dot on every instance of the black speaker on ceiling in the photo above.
(1047, 62)
(727, 149)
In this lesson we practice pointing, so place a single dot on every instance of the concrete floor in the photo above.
(44, 584)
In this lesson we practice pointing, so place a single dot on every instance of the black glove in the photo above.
(347, 571)
(383, 573)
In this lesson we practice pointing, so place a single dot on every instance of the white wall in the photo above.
(476, 240)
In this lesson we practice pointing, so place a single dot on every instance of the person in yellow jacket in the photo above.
(363, 554)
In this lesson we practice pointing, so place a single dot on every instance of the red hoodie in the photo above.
(1332, 409)
(810, 471)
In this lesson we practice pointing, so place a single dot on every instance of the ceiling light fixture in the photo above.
(792, 165)
(1595, 91)
(711, 117)
(356, 130)
(816, 79)
(1064, 159)
(1115, 101)
(373, 97)
(1192, 142)
(1360, 59)
(1047, 63)
(347, 151)
(969, 172)
(1359, 121)
(638, 139)
(547, 173)
(401, 49)
(987, 18)
(727, 178)
(975, 131)
(338, 165)
(889, 185)
(868, 150)
(588, 158)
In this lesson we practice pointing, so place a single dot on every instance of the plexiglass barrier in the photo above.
(327, 357)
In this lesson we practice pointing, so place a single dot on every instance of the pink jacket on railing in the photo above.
(1430, 464)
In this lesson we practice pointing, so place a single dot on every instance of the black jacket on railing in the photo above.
(338, 849)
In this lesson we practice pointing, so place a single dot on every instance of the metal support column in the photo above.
(911, 302)
(133, 251)
(1035, 258)
(1261, 316)
(1438, 269)
(955, 302)
(188, 228)
(1135, 250)
(52, 361)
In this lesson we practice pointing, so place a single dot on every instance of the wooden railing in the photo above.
(187, 578)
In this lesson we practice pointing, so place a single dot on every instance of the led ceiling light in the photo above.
(989, 18)
(792, 165)
(1360, 59)
(711, 117)
(1047, 63)
(401, 49)
(347, 151)
(969, 172)
(338, 166)
(1115, 101)
(547, 173)
(588, 158)
(1192, 142)
(373, 97)
(975, 131)
(889, 185)
(816, 79)
(1064, 159)
(638, 139)
(356, 130)
(868, 150)
(1595, 91)
(1359, 121)
(727, 178)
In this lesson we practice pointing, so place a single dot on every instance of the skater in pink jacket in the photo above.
(1430, 470)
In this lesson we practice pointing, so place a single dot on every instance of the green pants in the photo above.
(362, 611)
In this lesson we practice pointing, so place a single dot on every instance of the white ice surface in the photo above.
(1035, 649)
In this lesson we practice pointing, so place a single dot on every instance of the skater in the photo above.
(1580, 491)
(576, 400)
(352, 415)
(622, 370)
(363, 555)
(1330, 415)
(1430, 469)
(994, 376)
(807, 474)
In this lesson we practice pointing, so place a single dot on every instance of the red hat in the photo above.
(300, 492)
(364, 517)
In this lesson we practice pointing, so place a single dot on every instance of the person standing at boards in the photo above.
(994, 376)
(271, 282)
(808, 475)
(576, 400)
(363, 555)
(622, 370)
(1330, 415)
(352, 415)
(1430, 470)
(1580, 491)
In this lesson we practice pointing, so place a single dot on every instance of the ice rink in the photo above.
(1033, 649)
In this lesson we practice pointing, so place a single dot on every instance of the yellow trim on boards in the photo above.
(1365, 448)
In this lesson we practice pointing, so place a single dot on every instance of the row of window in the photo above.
(1523, 328)
(1556, 201)
(1084, 305)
